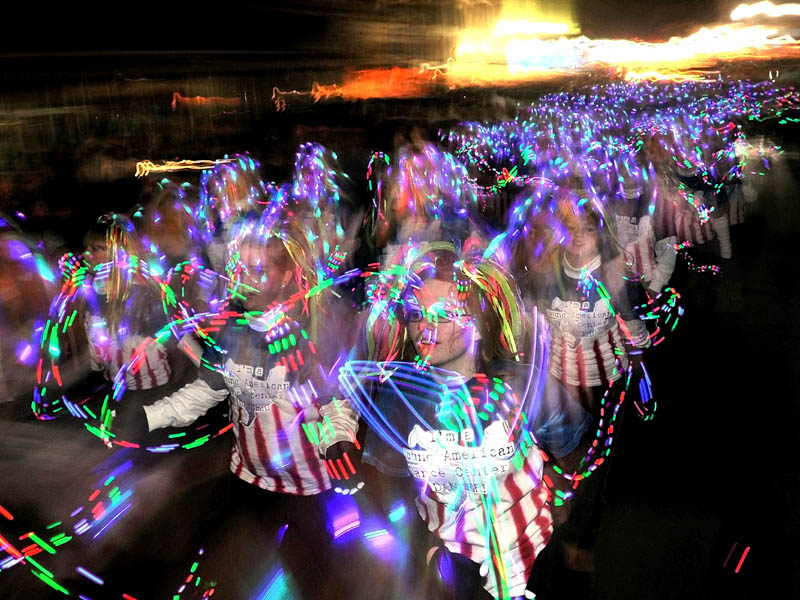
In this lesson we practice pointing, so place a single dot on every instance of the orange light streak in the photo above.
(524, 51)
(377, 83)
(178, 100)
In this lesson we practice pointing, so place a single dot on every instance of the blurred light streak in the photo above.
(397, 513)
(146, 167)
(525, 51)
(6, 545)
(674, 75)
(42, 544)
(377, 83)
(343, 516)
(49, 581)
(89, 575)
(741, 560)
(279, 96)
(119, 513)
(729, 41)
(768, 9)
(380, 540)
(374, 534)
(276, 589)
(725, 564)
(346, 523)
(280, 533)
(177, 100)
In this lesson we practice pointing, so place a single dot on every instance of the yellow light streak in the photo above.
(145, 167)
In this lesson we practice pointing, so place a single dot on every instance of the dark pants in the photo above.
(257, 540)
(449, 576)
(461, 577)
(586, 507)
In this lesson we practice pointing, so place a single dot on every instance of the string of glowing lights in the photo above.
(104, 507)
(101, 510)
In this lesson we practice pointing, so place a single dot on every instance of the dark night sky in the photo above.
(279, 26)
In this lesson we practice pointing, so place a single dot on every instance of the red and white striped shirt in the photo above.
(587, 343)
(148, 362)
(635, 235)
(274, 419)
(272, 450)
(676, 216)
(484, 508)
(481, 490)
(690, 229)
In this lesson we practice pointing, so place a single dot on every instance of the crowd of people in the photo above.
(461, 345)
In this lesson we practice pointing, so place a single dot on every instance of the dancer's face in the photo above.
(583, 243)
(438, 329)
(96, 252)
(262, 270)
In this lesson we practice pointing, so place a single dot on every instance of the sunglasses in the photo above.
(436, 314)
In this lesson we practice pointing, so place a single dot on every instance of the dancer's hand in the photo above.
(343, 460)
